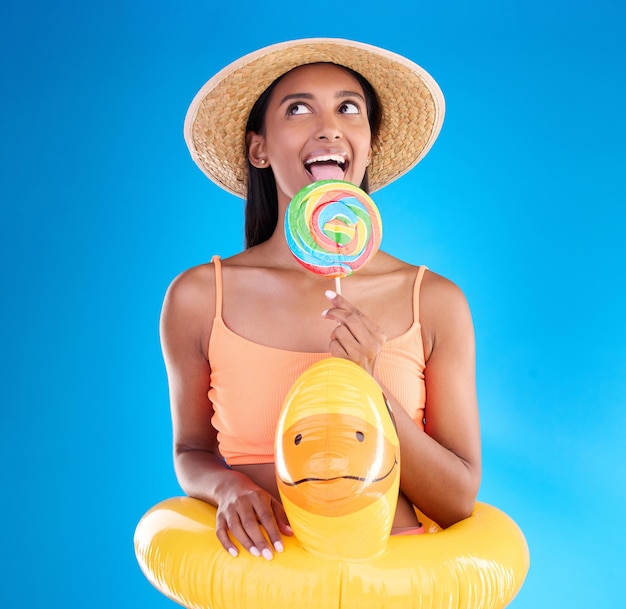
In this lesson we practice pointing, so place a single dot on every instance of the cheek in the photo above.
(361, 141)
(366, 141)
(283, 152)
(289, 172)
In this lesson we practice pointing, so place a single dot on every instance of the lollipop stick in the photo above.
(338, 285)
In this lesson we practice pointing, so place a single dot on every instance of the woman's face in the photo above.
(316, 128)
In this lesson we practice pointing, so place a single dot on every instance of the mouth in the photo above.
(327, 167)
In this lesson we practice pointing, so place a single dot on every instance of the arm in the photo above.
(441, 466)
(201, 471)
(444, 461)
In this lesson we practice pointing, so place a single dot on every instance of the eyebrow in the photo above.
(338, 95)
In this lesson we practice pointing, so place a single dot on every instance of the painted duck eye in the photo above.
(297, 439)
(360, 436)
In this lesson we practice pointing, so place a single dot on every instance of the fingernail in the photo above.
(324, 312)
(233, 551)
(254, 551)
(267, 554)
(330, 294)
(278, 546)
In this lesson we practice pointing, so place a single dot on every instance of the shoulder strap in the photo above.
(416, 292)
(218, 285)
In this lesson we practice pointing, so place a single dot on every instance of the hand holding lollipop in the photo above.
(333, 228)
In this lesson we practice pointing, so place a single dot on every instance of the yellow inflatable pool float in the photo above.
(337, 465)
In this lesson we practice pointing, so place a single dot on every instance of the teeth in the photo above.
(337, 158)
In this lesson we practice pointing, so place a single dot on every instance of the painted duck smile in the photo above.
(346, 477)
(336, 464)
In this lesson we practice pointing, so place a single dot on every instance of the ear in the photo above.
(256, 150)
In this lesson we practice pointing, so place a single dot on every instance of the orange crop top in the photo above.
(249, 381)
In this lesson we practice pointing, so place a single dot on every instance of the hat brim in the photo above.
(411, 101)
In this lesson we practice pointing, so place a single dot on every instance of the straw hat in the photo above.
(411, 101)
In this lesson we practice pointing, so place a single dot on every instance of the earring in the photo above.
(262, 161)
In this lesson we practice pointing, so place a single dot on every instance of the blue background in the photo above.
(521, 202)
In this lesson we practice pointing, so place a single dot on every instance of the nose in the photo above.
(328, 128)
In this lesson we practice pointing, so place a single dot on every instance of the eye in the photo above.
(349, 108)
(298, 108)
(360, 436)
(297, 439)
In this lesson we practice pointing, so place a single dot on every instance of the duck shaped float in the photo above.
(337, 467)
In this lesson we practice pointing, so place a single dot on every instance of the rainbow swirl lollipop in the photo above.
(333, 228)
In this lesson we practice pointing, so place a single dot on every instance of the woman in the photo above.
(243, 329)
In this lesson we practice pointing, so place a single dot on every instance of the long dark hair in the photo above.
(261, 215)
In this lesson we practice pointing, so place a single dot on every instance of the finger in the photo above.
(244, 527)
(357, 337)
(362, 349)
(346, 316)
(338, 301)
(333, 296)
(253, 525)
(354, 319)
(344, 312)
(343, 344)
(336, 349)
(281, 518)
(267, 519)
(342, 307)
(341, 337)
(221, 530)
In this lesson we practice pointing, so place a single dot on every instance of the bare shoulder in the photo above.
(444, 310)
(439, 291)
(193, 288)
(189, 304)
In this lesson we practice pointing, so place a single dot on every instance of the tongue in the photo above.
(326, 171)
